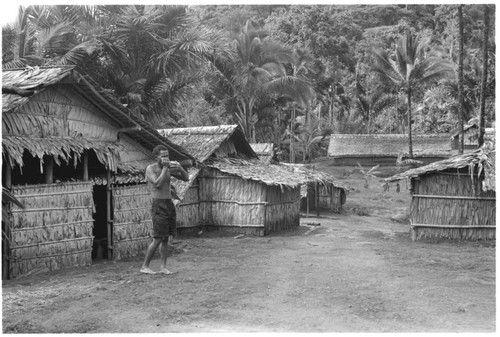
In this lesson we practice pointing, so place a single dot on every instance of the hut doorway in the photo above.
(100, 231)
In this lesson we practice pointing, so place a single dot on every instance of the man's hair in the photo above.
(158, 149)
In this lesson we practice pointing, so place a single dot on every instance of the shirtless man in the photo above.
(163, 210)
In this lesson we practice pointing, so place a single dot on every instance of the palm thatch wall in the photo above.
(54, 230)
(454, 198)
(132, 224)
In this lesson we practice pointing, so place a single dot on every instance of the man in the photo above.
(162, 211)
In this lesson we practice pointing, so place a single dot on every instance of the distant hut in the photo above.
(453, 198)
(321, 191)
(75, 157)
(233, 191)
(265, 151)
(470, 137)
(384, 149)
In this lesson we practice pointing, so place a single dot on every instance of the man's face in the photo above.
(163, 157)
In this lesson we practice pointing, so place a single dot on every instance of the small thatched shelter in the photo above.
(75, 157)
(321, 191)
(384, 149)
(265, 151)
(454, 198)
(470, 137)
(234, 190)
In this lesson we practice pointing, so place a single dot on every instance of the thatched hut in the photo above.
(453, 198)
(321, 191)
(384, 149)
(75, 158)
(234, 190)
(470, 136)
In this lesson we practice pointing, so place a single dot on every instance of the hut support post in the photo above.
(6, 229)
(8, 175)
(49, 170)
(307, 202)
(317, 197)
(85, 165)
(109, 222)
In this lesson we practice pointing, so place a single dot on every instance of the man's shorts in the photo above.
(163, 216)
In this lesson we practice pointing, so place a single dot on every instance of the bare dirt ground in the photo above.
(352, 272)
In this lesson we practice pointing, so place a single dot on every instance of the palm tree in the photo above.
(49, 35)
(258, 68)
(412, 67)
(484, 78)
(155, 55)
(461, 76)
(370, 105)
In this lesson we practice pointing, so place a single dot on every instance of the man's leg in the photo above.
(164, 254)
(149, 255)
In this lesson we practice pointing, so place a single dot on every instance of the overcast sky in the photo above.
(9, 8)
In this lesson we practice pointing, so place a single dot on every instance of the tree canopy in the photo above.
(283, 72)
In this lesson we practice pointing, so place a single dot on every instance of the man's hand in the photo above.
(175, 166)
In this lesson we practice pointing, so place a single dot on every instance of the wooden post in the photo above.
(6, 229)
(8, 175)
(307, 199)
(49, 170)
(317, 198)
(85, 165)
(109, 221)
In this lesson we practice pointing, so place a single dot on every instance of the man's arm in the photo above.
(159, 181)
(178, 171)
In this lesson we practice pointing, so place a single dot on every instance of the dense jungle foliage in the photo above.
(288, 74)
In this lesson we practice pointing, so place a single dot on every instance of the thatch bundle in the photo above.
(54, 230)
(132, 220)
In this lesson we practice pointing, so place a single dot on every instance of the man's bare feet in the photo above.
(166, 271)
(147, 271)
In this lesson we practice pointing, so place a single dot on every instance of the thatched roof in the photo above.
(61, 149)
(21, 85)
(255, 170)
(270, 174)
(473, 126)
(265, 151)
(313, 176)
(382, 145)
(203, 142)
(483, 158)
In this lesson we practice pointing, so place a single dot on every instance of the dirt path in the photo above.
(349, 274)
(336, 273)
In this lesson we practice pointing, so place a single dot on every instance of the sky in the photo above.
(8, 11)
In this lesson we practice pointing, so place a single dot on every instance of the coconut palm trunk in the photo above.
(484, 76)
(461, 77)
(410, 141)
